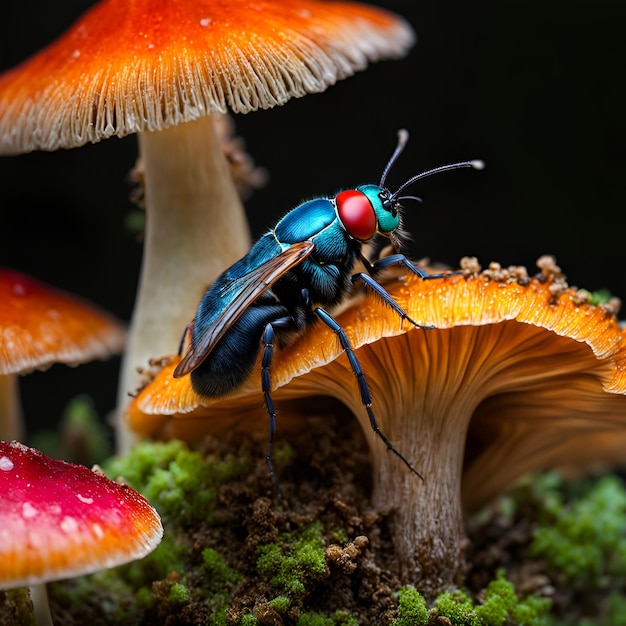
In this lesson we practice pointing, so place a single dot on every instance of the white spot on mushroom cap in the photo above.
(69, 525)
(205, 21)
(6, 465)
(28, 510)
(84, 499)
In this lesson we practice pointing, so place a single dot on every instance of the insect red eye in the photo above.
(356, 214)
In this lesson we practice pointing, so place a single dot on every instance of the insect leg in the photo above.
(362, 383)
(380, 291)
(266, 362)
(400, 259)
(186, 338)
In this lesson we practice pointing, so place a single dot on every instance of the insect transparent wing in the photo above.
(249, 288)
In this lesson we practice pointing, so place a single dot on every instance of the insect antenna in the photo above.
(403, 137)
(476, 164)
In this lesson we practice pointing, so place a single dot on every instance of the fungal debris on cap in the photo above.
(60, 520)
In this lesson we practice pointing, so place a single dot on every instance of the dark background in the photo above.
(536, 89)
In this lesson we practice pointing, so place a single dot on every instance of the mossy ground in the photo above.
(234, 554)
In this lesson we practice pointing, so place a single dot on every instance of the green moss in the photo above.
(179, 482)
(458, 608)
(219, 617)
(339, 618)
(500, 602)
(179, 594)
(412, 609)
(183, 486)
(501, 606)
(248, 620)
(292, 563)
(585, 539)
(280, 604)
(342, 618)
(218, 574)
(123, 594)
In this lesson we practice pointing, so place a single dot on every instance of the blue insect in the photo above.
(292, 278)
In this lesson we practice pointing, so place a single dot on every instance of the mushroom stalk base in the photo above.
(425, 516)
(195, 228)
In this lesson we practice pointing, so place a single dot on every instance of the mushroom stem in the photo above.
(11, 421)
(425, 516)
(41, 606)
(195, 227)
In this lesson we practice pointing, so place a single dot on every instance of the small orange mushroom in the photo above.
(163, 68)
(40, 326)
(520, 374)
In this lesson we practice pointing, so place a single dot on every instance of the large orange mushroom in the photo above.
(163, 68)
(40, 326)
(520, 374)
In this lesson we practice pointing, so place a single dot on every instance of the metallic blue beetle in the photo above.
(291, 276)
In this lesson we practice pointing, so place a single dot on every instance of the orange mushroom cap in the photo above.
(473, 300)
(60, 520)
(126, 67)
(40, 326)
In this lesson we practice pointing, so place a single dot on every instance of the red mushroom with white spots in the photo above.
(60, 520)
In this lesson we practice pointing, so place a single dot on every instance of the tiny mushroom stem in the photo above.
(520, 374)
(11, 419)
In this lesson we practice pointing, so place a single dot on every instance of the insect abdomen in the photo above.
(233, 358)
